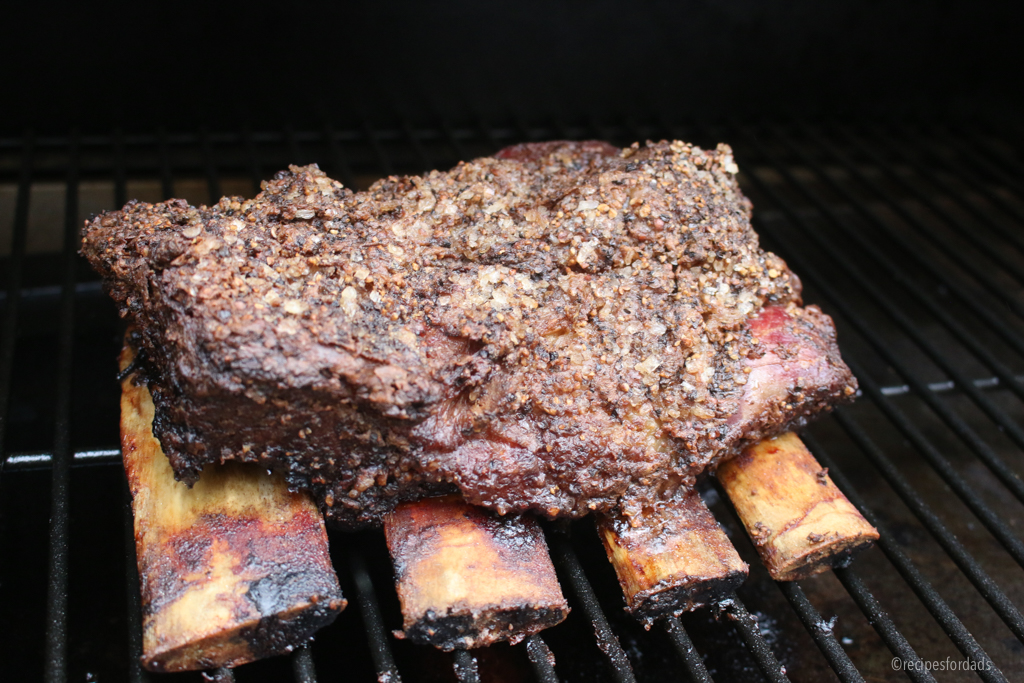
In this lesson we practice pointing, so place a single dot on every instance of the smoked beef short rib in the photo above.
(562, 327)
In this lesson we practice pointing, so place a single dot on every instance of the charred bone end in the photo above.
(672, 558)
(800, 522)
(468, 578)
(232, 570)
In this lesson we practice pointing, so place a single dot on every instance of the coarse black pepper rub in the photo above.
(562, 327)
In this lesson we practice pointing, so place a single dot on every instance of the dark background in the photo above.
(144, 63)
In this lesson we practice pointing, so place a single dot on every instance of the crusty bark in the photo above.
(801, 523)
(671, 558)
(561, 328)
(467, 578)
(232, 570)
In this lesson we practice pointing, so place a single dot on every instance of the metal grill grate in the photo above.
(911, 239)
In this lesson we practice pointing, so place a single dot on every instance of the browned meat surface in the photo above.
(556, 328)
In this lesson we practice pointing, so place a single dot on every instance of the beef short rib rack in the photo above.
(561, 328)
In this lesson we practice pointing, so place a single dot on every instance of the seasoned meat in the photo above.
(562, 327)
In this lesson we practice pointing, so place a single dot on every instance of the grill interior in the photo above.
(909, 236)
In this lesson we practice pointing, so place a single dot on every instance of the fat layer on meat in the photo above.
(562, 327)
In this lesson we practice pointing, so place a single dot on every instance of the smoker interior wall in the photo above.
(142, 63)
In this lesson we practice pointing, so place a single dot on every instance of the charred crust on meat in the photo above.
(429, 328)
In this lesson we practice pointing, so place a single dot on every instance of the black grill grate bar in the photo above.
(565, 558)
(966, 294)
(987, 587)
(339, 159)
(303, 668)
(929, 597)
(17, 260)
(541, 659)
(120, 170)
(883, 625)
(821, 631)
(561, 130)
(965, 201)
(291, 144)
(686, 650)
(490, 135)
(898, 274)
(255, 168)
(57, 588)
(210, 167)
(383, 160)
(465, 665)
(376, 634)
(528, 133)
(1004, 473)
(746, 624)
(461, 153)
(166, 170)
(421, 153)
(932, 454)
(8, 337)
